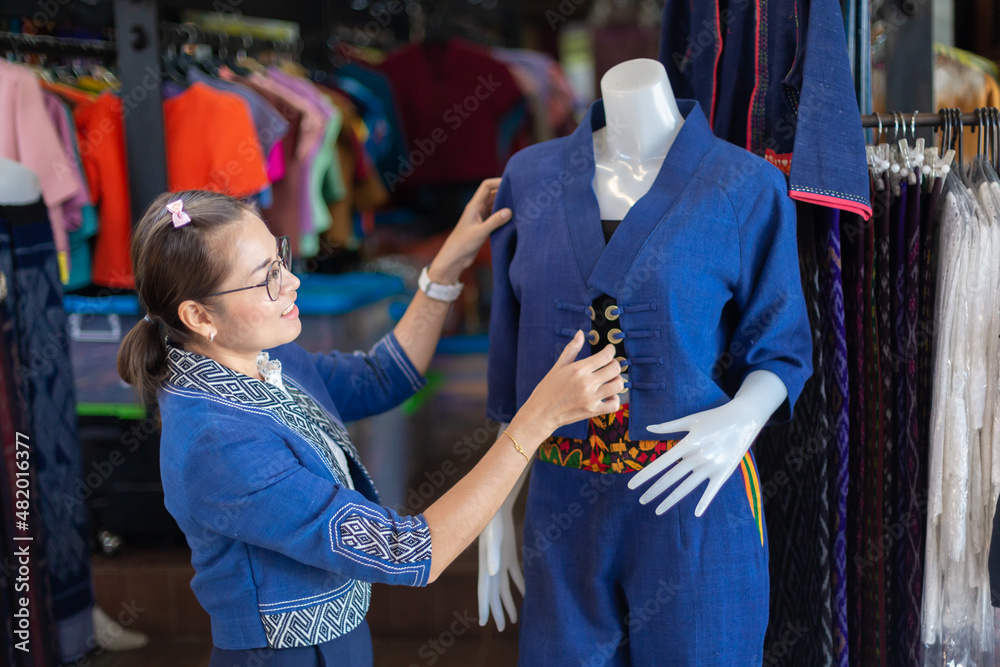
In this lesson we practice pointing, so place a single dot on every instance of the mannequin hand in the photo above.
(716, 441)
(498, 564)
(468, 236)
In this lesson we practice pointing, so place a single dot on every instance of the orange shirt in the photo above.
(211, 144)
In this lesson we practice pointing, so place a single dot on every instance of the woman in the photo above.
(284, 524)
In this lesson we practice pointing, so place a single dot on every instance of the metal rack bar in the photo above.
(44, 44)
(921, 120)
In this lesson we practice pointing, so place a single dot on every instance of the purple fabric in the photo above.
(836, 378)
(60, 116)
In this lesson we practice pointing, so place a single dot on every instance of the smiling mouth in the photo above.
(289, 309)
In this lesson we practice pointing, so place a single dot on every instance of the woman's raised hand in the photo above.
(468, 236)
(572, 391)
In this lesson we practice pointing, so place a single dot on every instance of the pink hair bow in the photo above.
(176, 209)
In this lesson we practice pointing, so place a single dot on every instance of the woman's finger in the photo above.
(571, 350)
(497, 220)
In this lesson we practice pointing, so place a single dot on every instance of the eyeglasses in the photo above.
(273, 282)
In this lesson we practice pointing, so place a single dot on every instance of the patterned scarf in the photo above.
(287, 403)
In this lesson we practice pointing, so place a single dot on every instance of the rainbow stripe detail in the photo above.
(752, 484)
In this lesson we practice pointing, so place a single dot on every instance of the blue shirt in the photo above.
(704, 268)
(284, 551)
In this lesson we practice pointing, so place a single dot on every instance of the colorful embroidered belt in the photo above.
(608, 449)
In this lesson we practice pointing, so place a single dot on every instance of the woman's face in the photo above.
(248, 321)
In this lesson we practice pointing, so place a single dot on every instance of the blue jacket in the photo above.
(775, 79)
(704, 268)
(283, 551)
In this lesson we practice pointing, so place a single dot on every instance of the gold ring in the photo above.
(590, 311)
(607, 312)
(592, 337)
(615, 336)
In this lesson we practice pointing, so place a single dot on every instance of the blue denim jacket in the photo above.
(284, 553)
(704, 268)
(774, 78)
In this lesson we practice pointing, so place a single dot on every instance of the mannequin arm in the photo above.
(498, 559)
(716, 440)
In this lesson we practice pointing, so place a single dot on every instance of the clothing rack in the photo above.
(913, 120)
(44, 44)
(172, 34)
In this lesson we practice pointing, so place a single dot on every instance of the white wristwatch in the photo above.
(437, 291)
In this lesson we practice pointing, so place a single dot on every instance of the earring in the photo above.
(211, 337)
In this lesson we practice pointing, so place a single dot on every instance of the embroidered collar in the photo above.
(286, 401)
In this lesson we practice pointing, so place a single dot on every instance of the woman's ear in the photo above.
(196, 318)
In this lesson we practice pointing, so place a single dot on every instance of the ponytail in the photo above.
(142, 360)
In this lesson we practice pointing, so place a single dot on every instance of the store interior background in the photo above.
(415, 453)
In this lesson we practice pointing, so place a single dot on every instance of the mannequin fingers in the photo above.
(713, 488)
(686, 487)
(490, 542)
(508, 599)
(517, 576)
(669, 478)
(706, 498)
(675, 426)
(675, 454)
(496, 607)
(483, 592)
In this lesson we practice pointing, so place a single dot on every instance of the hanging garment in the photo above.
(796, 463)
(29, 137)
(451, 96)
(232, 162)
(734, 293)
(774, 78)
(44, 379)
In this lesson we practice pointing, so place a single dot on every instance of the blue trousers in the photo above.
(351, 650)
(609, 583)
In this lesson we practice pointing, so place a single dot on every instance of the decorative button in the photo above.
(615, 336)
(590, 311)
(3, 286)
(612, 312)
(592, 337)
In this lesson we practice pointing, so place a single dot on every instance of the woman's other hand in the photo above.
(572, 391)
(468, 236)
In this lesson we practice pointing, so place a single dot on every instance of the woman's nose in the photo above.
(291, 281)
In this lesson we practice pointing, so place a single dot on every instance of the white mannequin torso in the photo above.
(642, 123)
(18, 184)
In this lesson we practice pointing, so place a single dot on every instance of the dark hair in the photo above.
(171, 265)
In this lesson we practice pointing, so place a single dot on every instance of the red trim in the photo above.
(864, 210)
(756, 76)
(715, 68)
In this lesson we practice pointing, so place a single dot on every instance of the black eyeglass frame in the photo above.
(285, 259)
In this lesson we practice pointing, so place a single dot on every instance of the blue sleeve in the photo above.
(253, 489)
(364, 384)
(505, 313)
(772, 331)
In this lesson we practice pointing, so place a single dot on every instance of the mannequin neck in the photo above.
(641, 111)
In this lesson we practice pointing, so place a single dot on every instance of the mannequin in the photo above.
(643, 121)
(18, 184)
